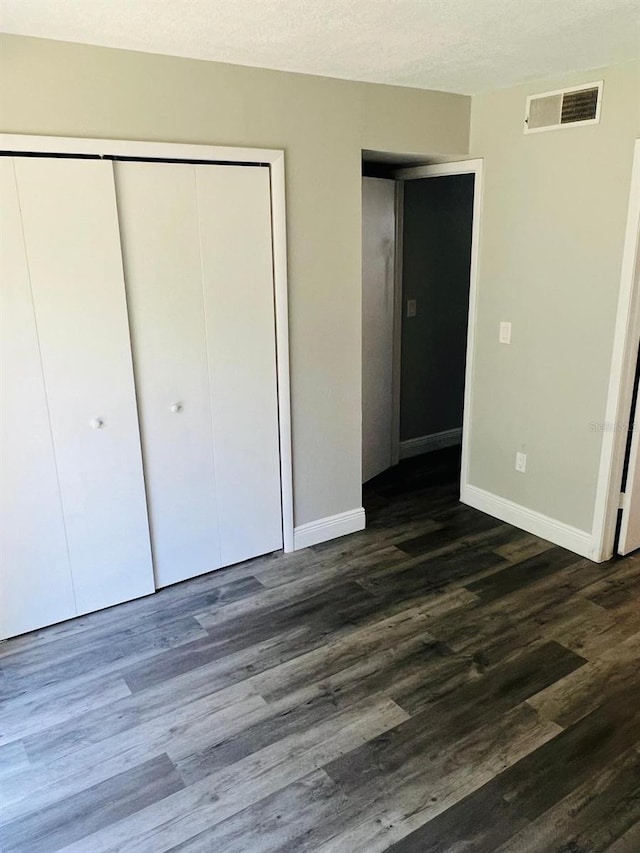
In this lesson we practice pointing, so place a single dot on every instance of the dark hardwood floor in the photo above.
(439, 682)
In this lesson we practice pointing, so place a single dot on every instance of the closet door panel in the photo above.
(235, 234)
(158, 217)
(35, 579)
(72, 241)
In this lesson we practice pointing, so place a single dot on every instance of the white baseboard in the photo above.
(328, 528)
(578, 541)
(425, 443)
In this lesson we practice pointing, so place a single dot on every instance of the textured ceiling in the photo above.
(466, 46)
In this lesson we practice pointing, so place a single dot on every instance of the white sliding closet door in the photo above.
(197, 253)
(235, 235)
(161, 248)
(35, 577)
(71, 234)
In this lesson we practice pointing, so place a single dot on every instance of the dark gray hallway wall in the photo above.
(438, 215)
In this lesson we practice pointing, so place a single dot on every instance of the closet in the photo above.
(139, 431)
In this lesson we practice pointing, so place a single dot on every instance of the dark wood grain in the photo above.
(438, 682)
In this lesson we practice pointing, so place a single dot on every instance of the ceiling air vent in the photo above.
(573, 107)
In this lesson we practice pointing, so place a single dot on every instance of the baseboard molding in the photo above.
(578, 541)
(425, 443)
(328, 528)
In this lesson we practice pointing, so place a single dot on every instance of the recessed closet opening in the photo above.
(146, 423)
(419, 247)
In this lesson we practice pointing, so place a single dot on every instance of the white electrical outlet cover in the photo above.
(505, 332)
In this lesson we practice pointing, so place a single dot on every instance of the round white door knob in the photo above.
(97, 423)
(176, 407)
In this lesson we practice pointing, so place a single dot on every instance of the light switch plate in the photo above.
(412, 307)
(505, 332)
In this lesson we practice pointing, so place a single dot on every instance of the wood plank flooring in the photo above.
(438, 683)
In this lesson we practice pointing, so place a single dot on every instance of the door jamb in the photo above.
(274, 159)
(461, 167)
(623, 365)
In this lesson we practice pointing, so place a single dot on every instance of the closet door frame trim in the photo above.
(18, 144)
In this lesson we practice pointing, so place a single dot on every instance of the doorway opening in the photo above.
(616, 527)
(419, 259)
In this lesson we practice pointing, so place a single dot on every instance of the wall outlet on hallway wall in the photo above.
(412, 307)
(521, 462)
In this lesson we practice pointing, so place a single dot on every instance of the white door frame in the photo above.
(623, 365)
(274, 159)
(461, 167)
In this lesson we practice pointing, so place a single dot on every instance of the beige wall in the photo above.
(555, 207)
(552, 234)
(62, 89)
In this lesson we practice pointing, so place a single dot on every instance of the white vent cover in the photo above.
(572, 107)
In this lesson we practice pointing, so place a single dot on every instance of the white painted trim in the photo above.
(460, 167)
(597, 84)
(463, 167)
(280, 285)
(178, 151)
(19, 143)
(578, 541)
(623, 364)
(426, 443)
(478, 192)
(330, 527)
